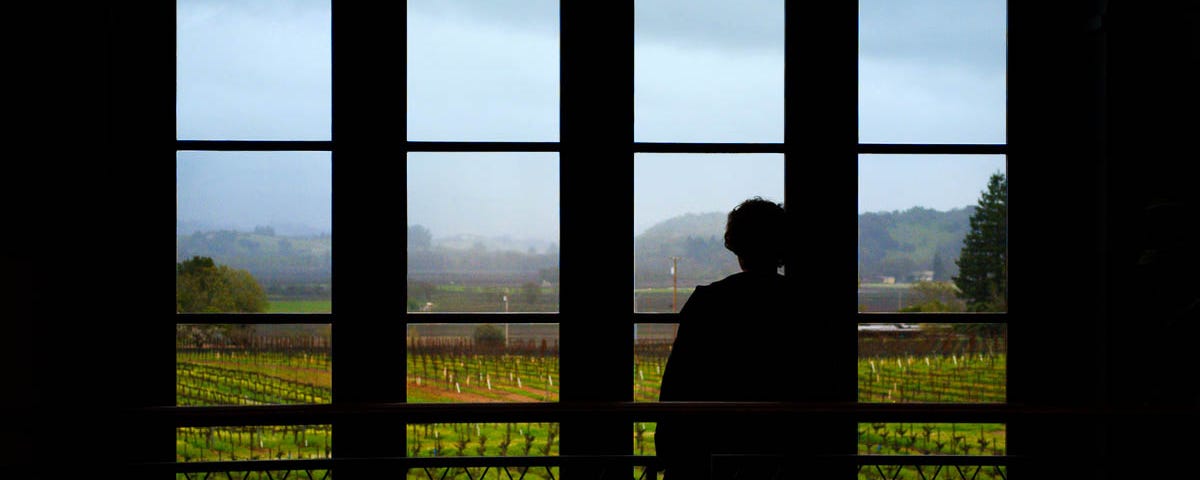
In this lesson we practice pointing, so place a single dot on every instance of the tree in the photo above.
(419, 237)
(939, 267)
(982, 277)
(203, 286)
(489, 337)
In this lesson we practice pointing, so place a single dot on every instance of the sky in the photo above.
(930, 71)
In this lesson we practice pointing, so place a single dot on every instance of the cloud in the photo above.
(966, 34)
(711, 24)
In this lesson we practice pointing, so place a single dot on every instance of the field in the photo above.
(511, 295)
(660, 300)
(492, 363)
(933, 365)
(234, 365)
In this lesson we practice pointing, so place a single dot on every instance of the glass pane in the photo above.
(932, 71)
(253, 70)
(482, 362)
(483, 232)
(483, 71)
(924, 362)
(255, 442)
(240, 364)
(651, 347)
(263, 219)
(708, 72)
(925, 438)
(681, 202)
(483, 440)
(932, 233)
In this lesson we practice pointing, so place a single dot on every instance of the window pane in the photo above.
(932, 71)
(924, 362)
(253, 70)
(483, 71)
(254, 442)
(651, 347)
(264, 219)
(483, 232)
(484, 439)
(482, 362)
(926, 438)
(652, 344)
(681, 202)
(918, 250)
(241, 364)
(708, 72)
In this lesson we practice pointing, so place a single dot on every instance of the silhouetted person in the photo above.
(733, 344)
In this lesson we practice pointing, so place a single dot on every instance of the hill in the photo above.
(285, 265)
(697, 238)
(892, 244)
(899, 243)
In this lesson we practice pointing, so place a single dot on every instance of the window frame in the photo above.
(596, 74)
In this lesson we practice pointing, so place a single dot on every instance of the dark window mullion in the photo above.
(596, 171)
(821, 128)
(369, 194)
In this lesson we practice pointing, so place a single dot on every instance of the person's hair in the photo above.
(755, 232)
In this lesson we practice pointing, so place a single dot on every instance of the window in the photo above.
(605, 130)
(254, 224)
(931, 155)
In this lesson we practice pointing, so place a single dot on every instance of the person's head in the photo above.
(755, 232)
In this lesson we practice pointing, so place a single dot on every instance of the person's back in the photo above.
(733, 345)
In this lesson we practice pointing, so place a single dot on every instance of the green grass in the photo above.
(300, 306)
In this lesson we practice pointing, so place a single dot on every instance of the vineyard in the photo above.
(238, 365)
(486, 363)
(932, 365)
(200, 444)
(460, 370)
(932, 439)
(264, 370)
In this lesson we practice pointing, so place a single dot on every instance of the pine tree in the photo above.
(982, 277)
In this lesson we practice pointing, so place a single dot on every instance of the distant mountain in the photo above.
(688, 225)
(895, 244)
(188, 227)
(698, 239)
(273, 259)
(898, 243)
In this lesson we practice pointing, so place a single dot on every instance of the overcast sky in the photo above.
(930, 71)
